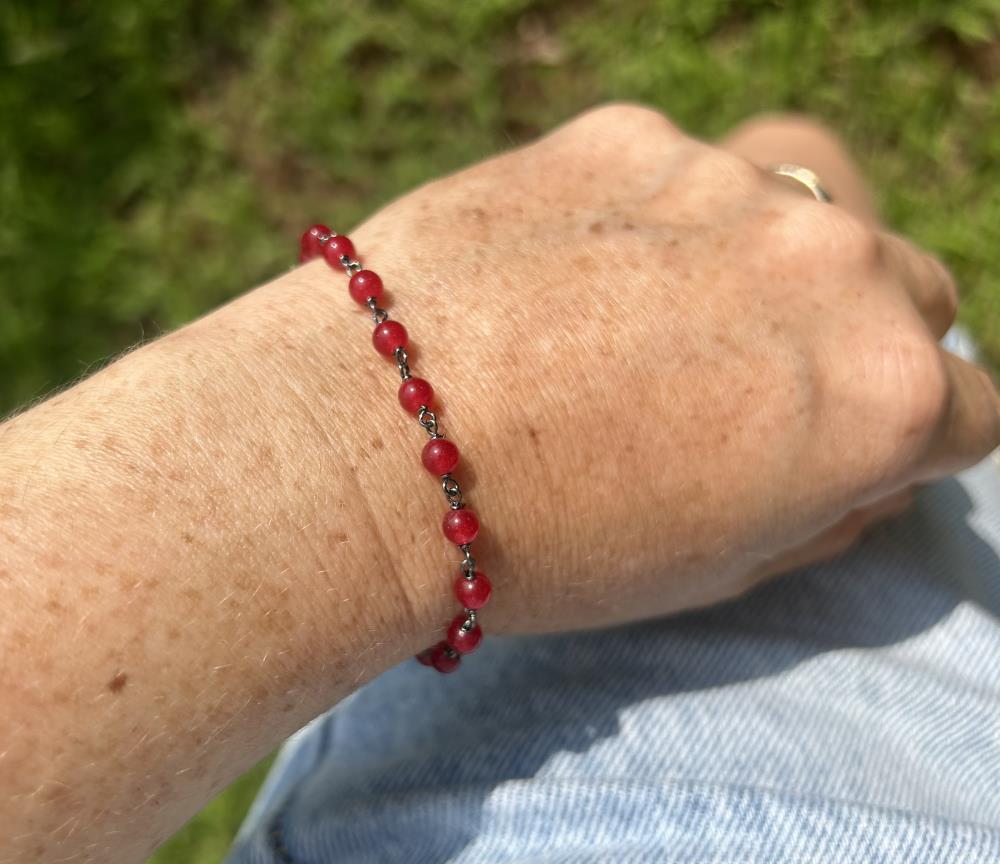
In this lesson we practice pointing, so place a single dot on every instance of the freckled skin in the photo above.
(203, 532)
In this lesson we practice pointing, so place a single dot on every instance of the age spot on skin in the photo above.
(118, 682)
(128, 582)
(53, 560)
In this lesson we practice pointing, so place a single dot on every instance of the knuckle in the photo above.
(821, 231)
(716, 168)
(900, 393)
(919, 388)
(949, 288)
(990, 429)
(625, 120)
(633, 117)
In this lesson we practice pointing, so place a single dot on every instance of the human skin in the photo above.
(670, 376)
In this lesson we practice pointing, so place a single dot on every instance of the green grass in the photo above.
(206, 838)
(158, 157)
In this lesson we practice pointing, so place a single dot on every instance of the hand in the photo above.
(670, 376)
(673, 374)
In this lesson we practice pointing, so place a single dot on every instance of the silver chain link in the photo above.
(452, 491)
(350, 267)
(378, 315)
(402, 364)
(427, 419)
(468, 563)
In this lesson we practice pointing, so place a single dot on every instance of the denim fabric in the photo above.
(846, 713)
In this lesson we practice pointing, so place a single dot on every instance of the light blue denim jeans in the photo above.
(845, 713)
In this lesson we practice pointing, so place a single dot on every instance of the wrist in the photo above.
(410, 568)
(480, 417)
(329, 470)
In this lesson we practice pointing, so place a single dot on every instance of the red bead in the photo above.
(388, 336)
(464, 641)
(415, 393)
(444, 658)
(309, 245)
(336, 248)
(424, 657)
(365, 284)
(439, 456)
(460, 526)
(473, 593)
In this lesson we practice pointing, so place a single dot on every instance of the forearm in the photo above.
(193, 567)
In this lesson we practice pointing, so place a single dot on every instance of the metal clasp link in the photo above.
(452, 491)
(378, 315)
(468, 563)
(402, 364)
(350, 267)
(428, 420)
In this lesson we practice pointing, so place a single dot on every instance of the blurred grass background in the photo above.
(158, 157)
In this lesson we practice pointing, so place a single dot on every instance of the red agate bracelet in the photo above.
(440, 456)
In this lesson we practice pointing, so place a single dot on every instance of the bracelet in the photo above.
(440, 456)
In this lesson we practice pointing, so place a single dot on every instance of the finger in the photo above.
(925, 279)
(775, 138)
(841, 536)
(887, 507)
(847, 531)
(969, 429)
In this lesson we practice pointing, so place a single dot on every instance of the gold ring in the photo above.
(806, 177)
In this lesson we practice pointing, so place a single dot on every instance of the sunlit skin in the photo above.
(670, 374)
